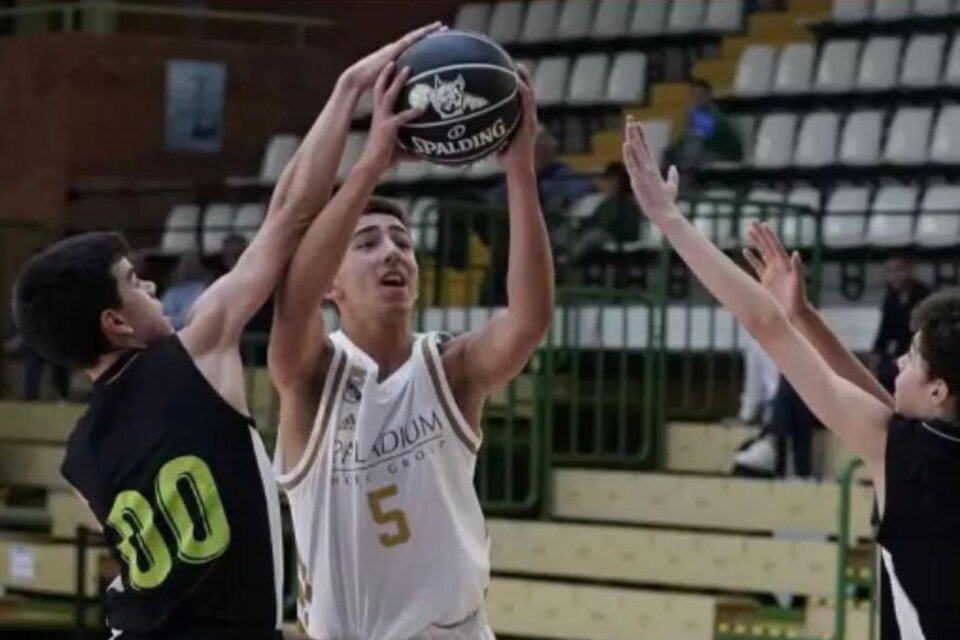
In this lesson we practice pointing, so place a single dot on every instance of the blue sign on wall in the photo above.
(194, 105)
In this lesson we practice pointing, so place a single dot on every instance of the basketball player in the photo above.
(910, 442)
(166, 455)
(380, 427)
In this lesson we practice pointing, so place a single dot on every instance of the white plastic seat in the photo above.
(588, 80)
(845, 220)
(860, 144)
(774, 145)
(485, 168)
(540, 23)
(411, 171)
(951, 74)
(529, 64)
(755, 205)
(550, 81)
(505, 21)
(892, 9)
(908, 140)
(939, 222)
(755, 71)
(180, 230)
(280, 149)
(352, 150)
(685, 16)
(424, 221)
(473, 16)
(576, 18)
(657, 133)
(649, 17)
(612, 19)
(922, 61)
(714, 215)
(794, 69)
(817, 140)
(800, 228)
(218, 223)
(628, 78)
(837, 67)
(249, 218)
(448, 171)
(585, 206)
(879, 63)
(946, 136)
(851, 10)
(724, 15)
(933, 7)
(891, 219)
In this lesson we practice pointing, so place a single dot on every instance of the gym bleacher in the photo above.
(606, 473)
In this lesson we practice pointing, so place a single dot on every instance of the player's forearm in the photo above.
(841, 360)
(530, 277)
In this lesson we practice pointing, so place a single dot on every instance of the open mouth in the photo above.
(394, 279)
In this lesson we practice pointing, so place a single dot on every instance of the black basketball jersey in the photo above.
(919, 535)
(183, 488)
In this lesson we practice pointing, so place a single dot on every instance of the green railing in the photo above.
(844, 584)
(73, 16)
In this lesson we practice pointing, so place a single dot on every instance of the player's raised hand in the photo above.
(381, 150)
(780, 274)
(520, 152)
(364, 72)
(655, 195)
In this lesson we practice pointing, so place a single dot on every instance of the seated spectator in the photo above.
(904, 293)
(188, 281)
(615, 221)
(708, 135)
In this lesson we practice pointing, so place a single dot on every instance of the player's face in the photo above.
(140, 316)
(379, 273)
(916, 395)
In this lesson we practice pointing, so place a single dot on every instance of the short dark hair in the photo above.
(385, 206)
(60, 293)
(938, 320)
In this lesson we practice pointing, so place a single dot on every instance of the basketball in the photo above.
(469, 85)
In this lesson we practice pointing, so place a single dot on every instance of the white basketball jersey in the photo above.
(389, 530)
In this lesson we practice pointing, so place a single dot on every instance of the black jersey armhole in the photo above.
(182, 351)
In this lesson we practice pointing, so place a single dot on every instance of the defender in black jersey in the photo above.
(166, 455)
(910, 441)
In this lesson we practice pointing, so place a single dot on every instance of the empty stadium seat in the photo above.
(248, 220)
(714, 216)
(879, 63)
(352, 150)
(753, 210)
(755, 70)
(411, 171)
(180, 229)
(933, 7)
(851, 10)
(218, 223)
(922, 61)
(649, 17)
(774, 146)
(550, 81)
(473, 16)
(588, 80)
(628, 78)
(837, 67)
(951, 74)
(724, 15)
(845, 219)
(946, 136)
(280, 149)
(794, 69)
(657, 133)
(585, 206)
(448, 171)
(576, 18)
(939, 222)
(892, 9)
(488, 166)
(891, 220)
(817, 140)
(423, 224)
(908, 140)
(860, 144)
(801, 230)
(506, 20)
(685, 16)
(540, 22)
(612, 19)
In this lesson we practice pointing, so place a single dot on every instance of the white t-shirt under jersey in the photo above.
(389, 531)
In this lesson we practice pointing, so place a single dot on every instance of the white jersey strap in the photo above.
(465, 432)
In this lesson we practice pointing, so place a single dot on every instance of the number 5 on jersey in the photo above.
(394, 517)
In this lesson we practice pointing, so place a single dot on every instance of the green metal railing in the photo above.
(71, 15)
(843, 581)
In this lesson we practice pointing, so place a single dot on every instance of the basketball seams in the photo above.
(466, 116)
(476, 156)
(476, 36)
(460, 66)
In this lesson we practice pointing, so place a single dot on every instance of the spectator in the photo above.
(760, 381)
(616, 219)
(708, 135)
(904, 292)
(187, 283)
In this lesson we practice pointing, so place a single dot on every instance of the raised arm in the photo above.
(783, 276)
(859, 418)
(478, 362)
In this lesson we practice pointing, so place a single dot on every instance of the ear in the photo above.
(334, 293)
(114, 326)
(459, 82)
(939, 392)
